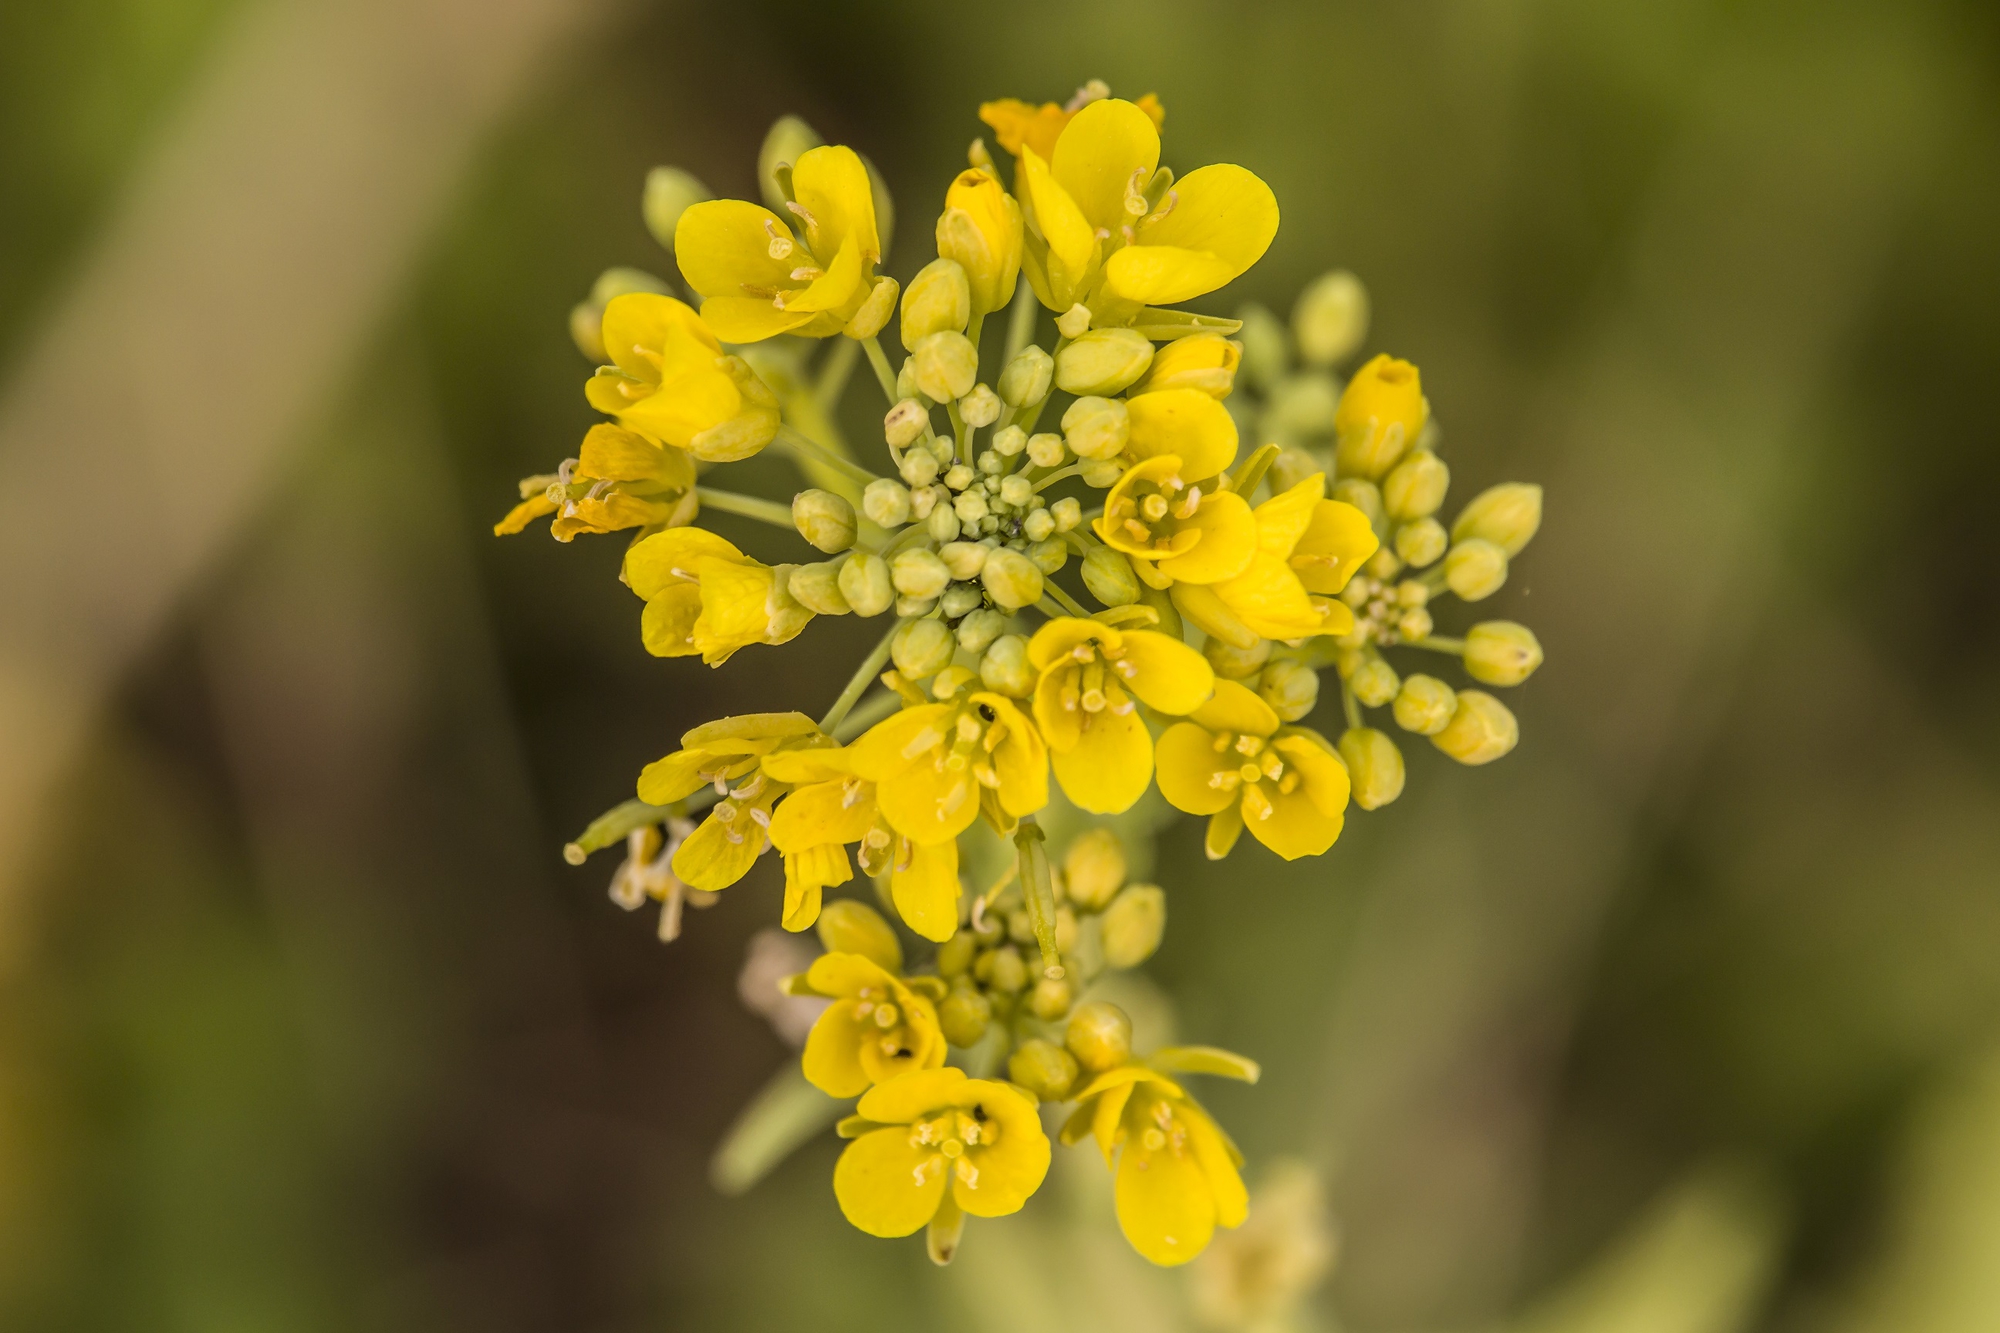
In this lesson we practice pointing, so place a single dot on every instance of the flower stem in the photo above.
(1064, 600)
(1039, 894)
(1439, 644)
(1060, 474)
(834, 373)
(864, 676)
(818, 453)
(1350, 705)
(880, 361)
(746, 506)
(1020, 319)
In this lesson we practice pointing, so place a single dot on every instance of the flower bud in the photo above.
(1103, 361)
(1233, 663)
(1099, 1036)
(824, 519)
(964, 1015)
(886, 503)
(1374, 682)
(848, 925)
(1096, 428)
(961, 599)
(865, 583)
(1074, 322)
(1374, 766)
(788, 141)
(1133, 924)
(1011, 579)
(981, 229)
(920, 468)
(948, 683)
(1415, 487)
(1507, 515)
(1365, 496)
(954, 956)
(1500, 652)
(979, 629)
(1292, 466)
(963, 559)
(1046, 449)
(1043, 1068)
(1066, 513)
(1425, 704)
(1002, 969)
(1415, 624)
(669, 193)
(1330, 318)
(1290, 687)
(920, 647)
(1038, 524)
(1051, 999)
(1267, 352)
(937, 300)
(1381, 414)
(1025, 380)
(1480, 731)
(906, 379)
(1016, 490)
(980, 408)
(947, 366)
(1009, 441)
(1050, 554)
(944, 524)
(1421, 542)
(918, 573)
(817, 588)
(1108, 575)
(1005, 668)
(873, 316)
(1205, 362)
(1475, 568)
(1302, 405)
(915, 608)
(1094, 868)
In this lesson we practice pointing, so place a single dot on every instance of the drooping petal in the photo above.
(1071, 241)
(888, 1186)
(926, 891)
(1336, 543)
(1169, 676)
(831, 1061)
(1188, 423)
(1289, 824)
(666, 626)
(1187, 765)
(1234, 708)
(1211, 1152)
(1105, 149)
(671, 557)
(612, 453)
(712, 859)
(1111, 764)
(679, 774)
(819, 813)
(1224, 828)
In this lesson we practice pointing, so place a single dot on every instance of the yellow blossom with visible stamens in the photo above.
(704, 596)
(937, 766)
(1098, 745)
(878, 1026)
(620, 479)
(1232, 761)
(1306, 549)
(1174, 530)
(670, 381)
(935, 1139)
(828, 808)
(728, 755)
(759, 278)
(1016, 123)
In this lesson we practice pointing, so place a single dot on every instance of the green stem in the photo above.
(880, 361)
(1351, 706)
(1039, 894)
(818, 453)
(961, 433)
(1439, 644)
(866, 715)
(1027, 423)
(1020, 319)
(973, 329)
(834, 373)
(906, 537)
(1064, 600)
(747, 506)
(1060, 474)
(864, 676)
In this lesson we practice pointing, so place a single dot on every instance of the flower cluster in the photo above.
(1092, 588)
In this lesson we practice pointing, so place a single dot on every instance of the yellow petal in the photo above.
(750, 319)
(834, 811)
(692, 398)
(814, 765)
(666, 626)
(1228, 541)
(1070, 239)
(831, 183)
(1005, 1175)
(926, 891)
(1223, 211)
(923, 1044)
(1185, 422)
(1212, 1154)
(641, 327)
(713, 860)
(1235, 708)
(1060, 726)
(1326, 782)
(1268, 597)
(1058, 638)
(1170, 676)
(835, 288)
(1284, 518)
(802, 895)
(888, 1186)
(725, 244)
(1186, 763)
(1290, 825)
(670, 557)
(1200, 607)
(911, 1096)
(735, 607)
(749, 733)
(680, 774)
(1164, 1204)
(831, 1061)
(898, 742)
(929, 803)
(1021, 759)
(1224, 828)
(1108, 770)
(524, 513)
(612, 453)
(1164, 274)
(1104, 147)
(1019, 124)
(1336, 543)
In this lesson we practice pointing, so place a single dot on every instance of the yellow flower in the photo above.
(1016, 123)
(1105, 227)
(1177, 531)
(1306, 549)
(1098, 745)
(980, 228)
(1232, 761)
(1178, 1176)
(717, 754)
(828, 809)
(917, 1133)
(705, 596)
(877, 1027)
(758, 278)
(1381, 413)
(1203, 361)
(936, 766)
(670, 382)
(620, 480)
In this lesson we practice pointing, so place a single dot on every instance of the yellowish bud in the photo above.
(1038, 524)
(1365, 496)
(788, 141)
(1475, 568)
(938, 300)
(1049, 554)
(1134, 924)
(873, 316)
(1003, 969)
(1099, 1036)
(1094, 868)
(1374, 682)
(1507, 515)
(1500, 652)
(965, 1013)
(670, 192)
(1109, 577)
(817, 588)
(947, 366)
(1384, 565)
(919, 573)
(1005, 669)
(1234, 663)
(1415, 487)
(963, 559)
(1421, 542)
(1050, 1000)
(1302, 405)
(1096, 428)
(1026, 379)
(1425, 704)
(904, 425)
(1074, 322)
(1066, 513)
(979, 629)
(865, 583)
(954, 956)
(1203, 361)
(1481, 729)
(1290, 687)
(1009, 441)
(1330, 319)
(1292, 466)
(980, 408)
(944, 524)
(961, 599)
(920, 647)
(981, 229)
(1043, 1068)
(947, 684)
(1103, 361)
(824, 519)
(887, 503)
(848, 925)
(1267, 352)
(1374, 766)
(1012, 580)
(1381, 414)
(1047, 449)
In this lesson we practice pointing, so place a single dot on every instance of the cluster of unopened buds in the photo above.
(1108, 471)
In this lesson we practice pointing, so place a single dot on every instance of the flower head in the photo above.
(1231, 760)
(1098, 744)
(705, 596)
(719, 754)
(811, 829)
(1175, 529)
(620, 479)
(936, 766)
(878, 1027)
(933, 1130)
(1306, 547)
(670, 381)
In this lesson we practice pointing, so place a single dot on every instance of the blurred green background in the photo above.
(1685, 1017)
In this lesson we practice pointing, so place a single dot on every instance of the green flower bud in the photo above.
(1047, 449)
(1507, 515)
(1267, 352)
(887, 503)
(1415, 625)
(906, 379)
(1038, 524)
(1292, 466)
(915, 608)
(964, 1016)
(1102, 473)
(1330, 319)
(1290, 687)
(817, 588)
(970, 507)
(1481, 729)
(1010, 440)
(1017, 490)
(979, 629)
(1302, 405)
(1103, 361)
(1074, 322)
(1051, 999)
(920, 468)
(1096, 428)
(1099, 1036)
(1094, 869)
(1374, 682)
(904, 424)
(670, 192)
(954, 956)
(1050, 554)
(1133, 925)
(1108, 575)
(1421, 542)
(980, 408)
(944, 524)
(1043, 1068)
(1374, 766)
(1365, 496)
(1233, 663)
(961, 599)
(1066, 513)
(789, 140)
(1005, 668)
(947, 366)
(1500, 652)
(1475, 568)
(1384, 565)
(848, 925)
(824, 519)
(1002, 969)
(918, 573)
(1425, 704)
(963, 559)
(1025, 380)
(939, 298)
(865, 583)
(920, 647)
(873, 316)
(1415, 487)
(1011, 579)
